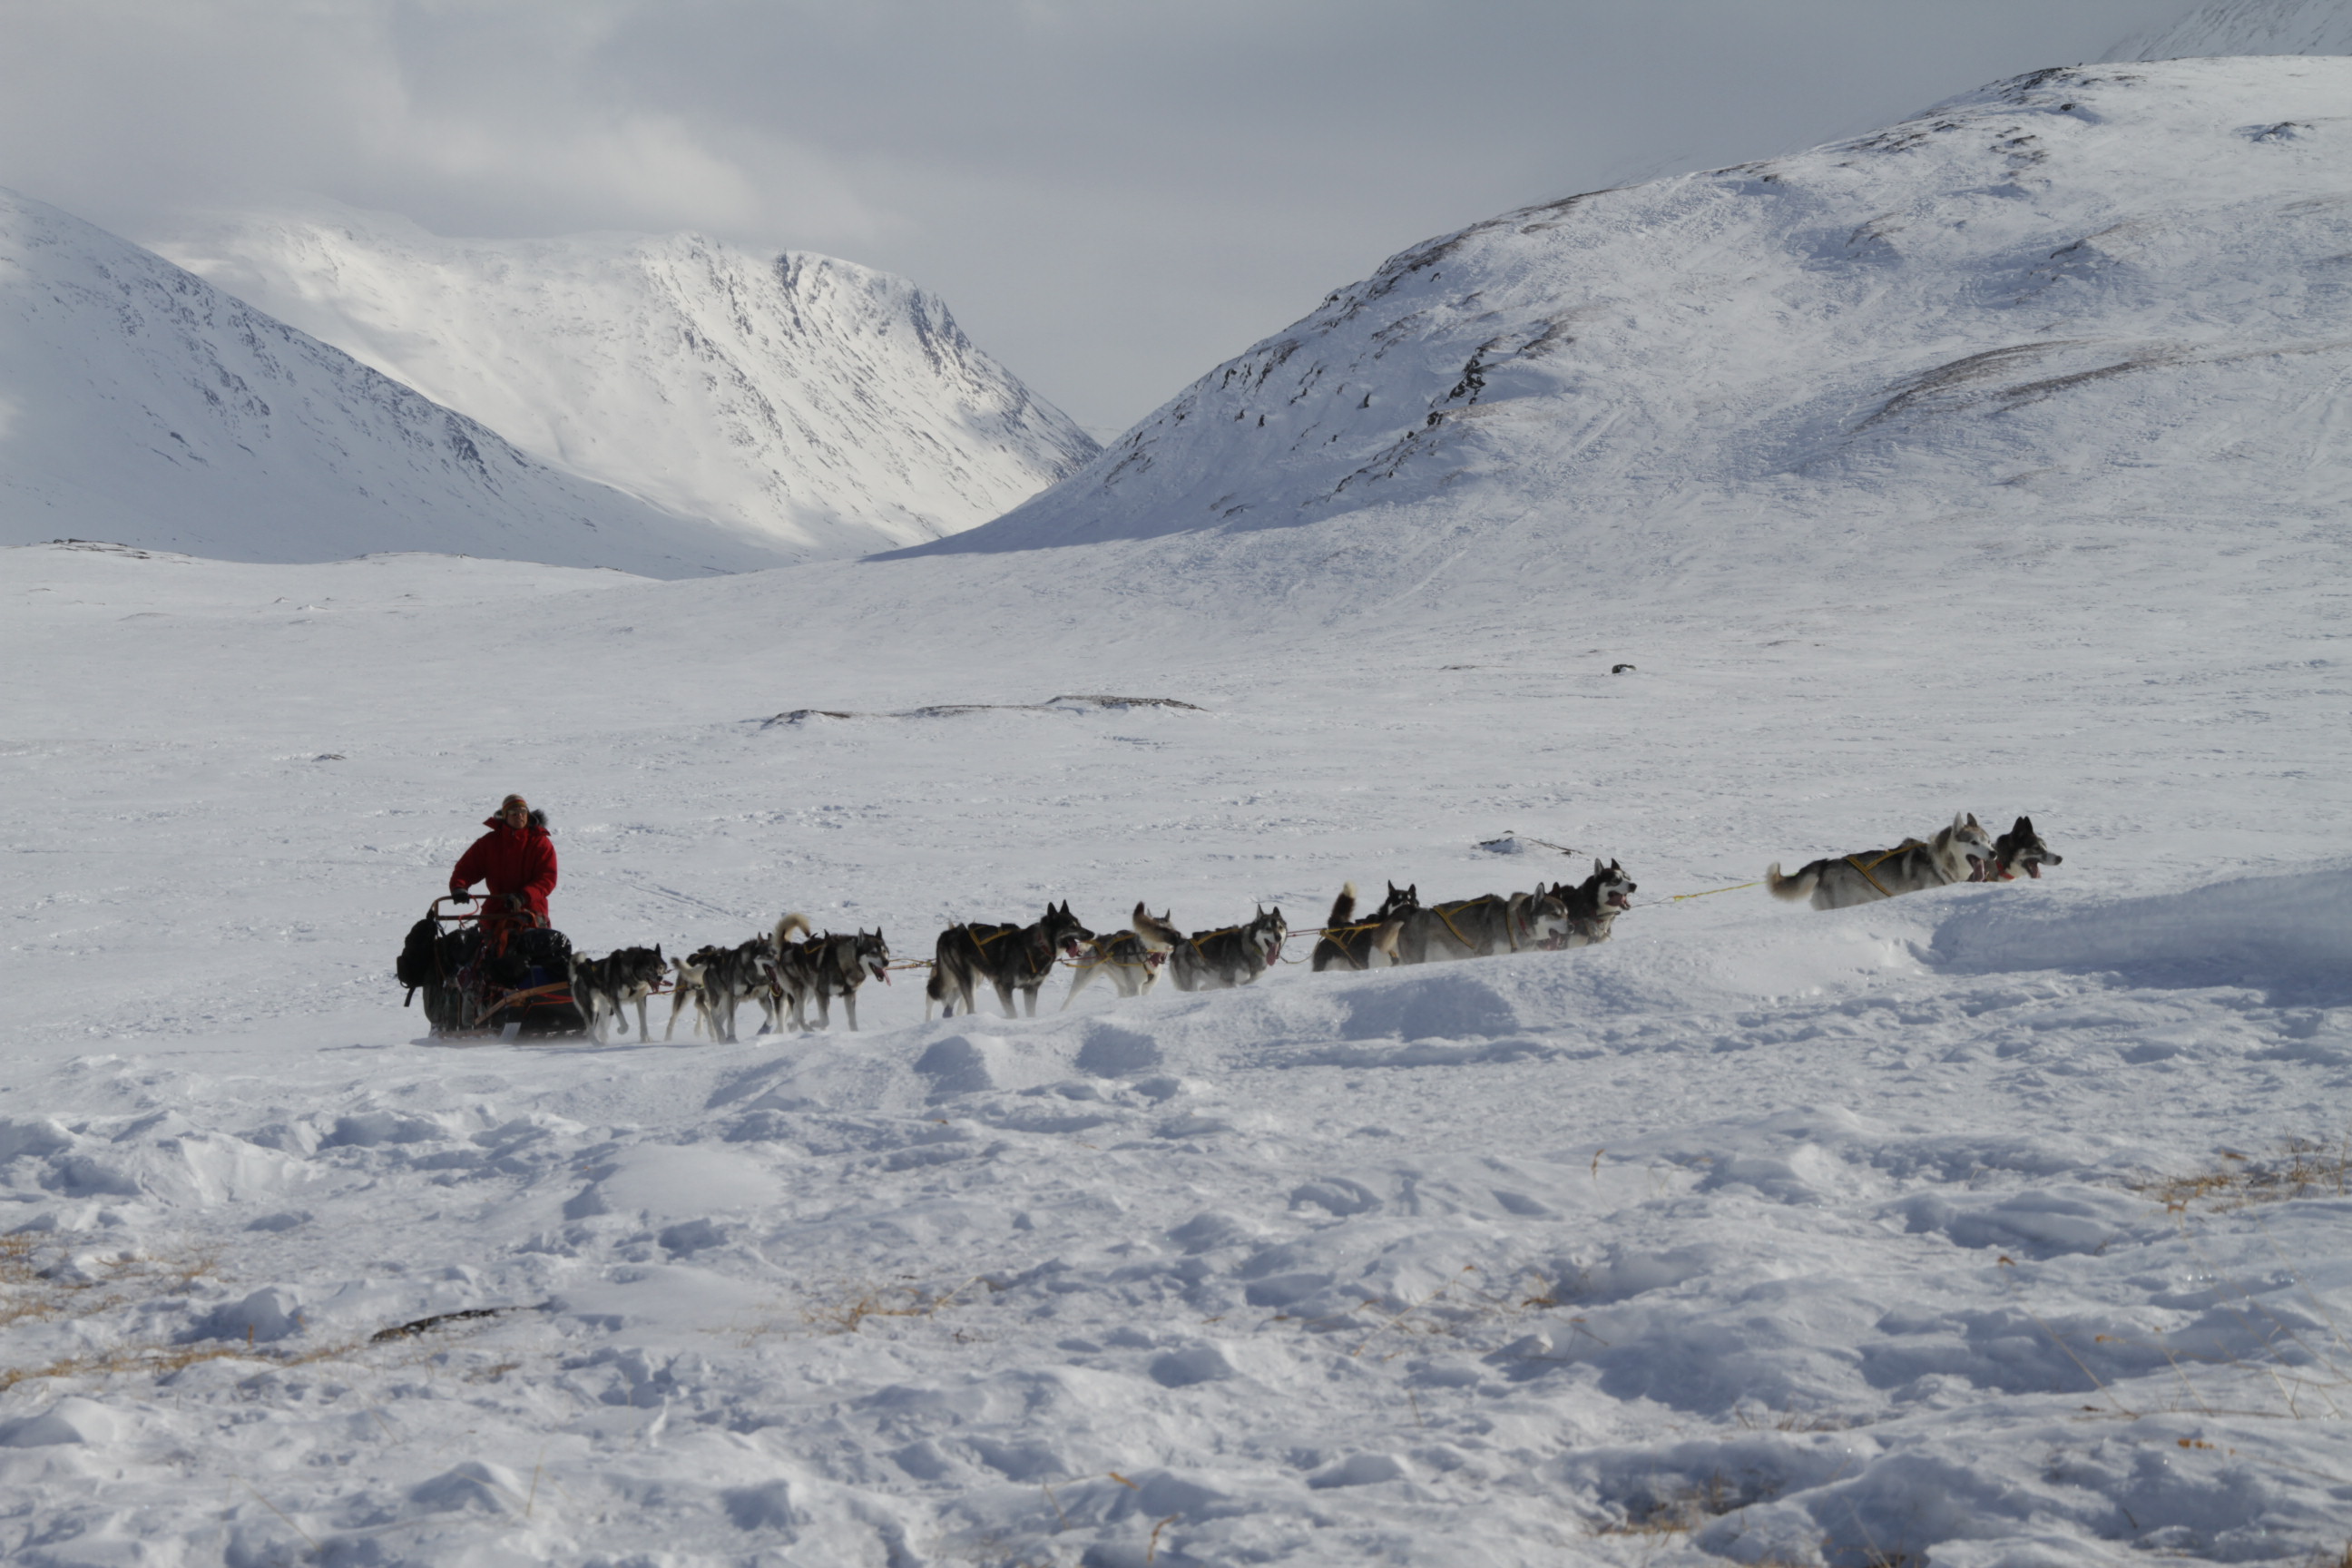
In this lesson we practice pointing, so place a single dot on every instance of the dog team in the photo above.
(783, 975)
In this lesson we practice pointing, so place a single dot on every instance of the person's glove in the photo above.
(461, 896)
(517, 903)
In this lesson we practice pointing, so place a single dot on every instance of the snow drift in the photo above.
(141, 405)
(821, 407)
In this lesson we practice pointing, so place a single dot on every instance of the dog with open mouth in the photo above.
(1962, 852)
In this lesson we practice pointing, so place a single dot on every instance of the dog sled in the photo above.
(503, 976)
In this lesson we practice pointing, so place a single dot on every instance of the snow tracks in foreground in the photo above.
(2031, 1264)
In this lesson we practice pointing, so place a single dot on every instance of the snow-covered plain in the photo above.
(821, 405)
(1758, 1234)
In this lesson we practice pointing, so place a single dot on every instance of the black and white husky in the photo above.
(1482, 927)
(1008, 957)
(1960, 853)
(1132, 957)
(2020, 849)
(602, 987)
(1594, 904)
(734, 975)
(1369, 943)
(824, 967)
(1230, 955)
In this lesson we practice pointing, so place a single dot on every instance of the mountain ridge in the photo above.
(2086, 293)
(145, 407)
(825, 408)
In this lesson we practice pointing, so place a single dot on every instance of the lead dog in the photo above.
(1594, 904)
(1229, 956)
(602, 987)
(1482, 927)
(1351, 943)
(1960, 853)
(1132, 957)
(2020, 849)
(1008, 957)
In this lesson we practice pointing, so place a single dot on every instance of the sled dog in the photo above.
(2020, 849)
(1132, 957)
(786, 986)
(1229, 956)
(1960, 853)
(733, 976)
(602, 987)
(1594, 904)
(689, 991)
(1482, 927)
(1008, 957)
(827, 966)
(1351, 943)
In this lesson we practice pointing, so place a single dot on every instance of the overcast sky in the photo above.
(1112, 195)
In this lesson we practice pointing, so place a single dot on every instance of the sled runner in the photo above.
(479, 981)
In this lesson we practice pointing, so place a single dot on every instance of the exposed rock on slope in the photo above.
(821, 405)
(140, 405)
(2092, 293)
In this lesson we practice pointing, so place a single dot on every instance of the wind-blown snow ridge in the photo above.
(2247, 27)
(826, 406)
(2114, 290)
(138, 404)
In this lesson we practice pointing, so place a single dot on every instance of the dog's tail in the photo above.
(786, 927)
(1343, 908)
(1796, 889)
(1153, 931)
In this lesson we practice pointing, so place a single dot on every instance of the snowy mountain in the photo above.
(2086, 300)
(144, 406)
(2247, 27)
(824, 407)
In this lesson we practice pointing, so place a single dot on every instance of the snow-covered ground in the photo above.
(821, 405)
(1993, 1227)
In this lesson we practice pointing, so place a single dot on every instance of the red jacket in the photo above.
(510, 862)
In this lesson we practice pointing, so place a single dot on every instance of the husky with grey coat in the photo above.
(601, 987)
(827, 966)
(1482, 927)
(1132, 958)
(1594, 904)
(734, 975)
(1960, 853)
(1230, 955)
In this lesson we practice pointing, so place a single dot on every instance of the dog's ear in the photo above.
(2024, 828)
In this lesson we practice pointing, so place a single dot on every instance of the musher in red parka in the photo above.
(516, 857)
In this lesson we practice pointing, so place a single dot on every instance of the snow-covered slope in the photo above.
(138, 404)
(831, 409)
(2247, 27)
(2086, 300)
